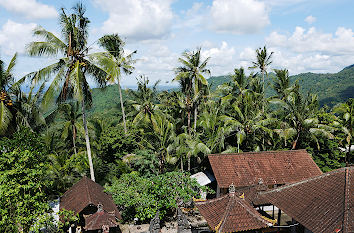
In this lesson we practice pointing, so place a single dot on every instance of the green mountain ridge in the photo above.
(331, 88)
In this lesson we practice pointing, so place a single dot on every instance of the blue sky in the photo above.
(305, 36)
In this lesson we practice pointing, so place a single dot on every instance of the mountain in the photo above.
(331, 88)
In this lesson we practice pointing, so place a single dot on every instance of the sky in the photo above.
(305, 35)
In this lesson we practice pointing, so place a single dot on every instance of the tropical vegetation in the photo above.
(144, 147)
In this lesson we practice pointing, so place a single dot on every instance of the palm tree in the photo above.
(300, 118)
(71, 70)
(71, 126)
(115, 62)
(6, 81)
(346, 116)
(281, 83)
(262, 63)
(192, 82)
(143, 103)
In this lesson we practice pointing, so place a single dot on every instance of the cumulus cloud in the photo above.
(311, 40)
(312, 50)
(221, 58)
(14, 37)
(137, 19)
(310, 19)
(238, 16)
(30, 8)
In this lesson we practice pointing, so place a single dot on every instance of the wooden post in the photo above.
(273, 212)
(279, 216)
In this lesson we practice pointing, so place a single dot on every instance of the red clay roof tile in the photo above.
(323, 203)
(84, 193)
(230, 213)
(269, 167)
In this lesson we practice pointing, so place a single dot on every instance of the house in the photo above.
(231, 213)
(96, 209)
(250, 171)
(324, 203)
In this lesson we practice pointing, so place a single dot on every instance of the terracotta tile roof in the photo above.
(87, 192)
(322, 204)
(230, 213)
(269, 167)
(99, 219)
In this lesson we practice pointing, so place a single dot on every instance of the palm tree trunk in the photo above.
(189, 122)
(195, 118)
(122, 107)
(181, 163)
(74, 135)
(189, 162)
(87, 139)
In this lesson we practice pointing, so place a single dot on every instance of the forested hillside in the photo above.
(330, 88)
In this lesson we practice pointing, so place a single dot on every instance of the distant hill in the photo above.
(330, 88)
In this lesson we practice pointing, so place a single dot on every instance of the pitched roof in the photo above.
(268, 167)
(230, 213)
(99, 219)
(84, 193)
(322, 204)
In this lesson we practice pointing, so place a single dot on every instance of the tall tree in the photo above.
(71, 70)
(6, 81)
(346, 116)
(263, 60)
(115, 62)
(192, 81)
(71, 126)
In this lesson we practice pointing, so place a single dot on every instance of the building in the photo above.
(324, 203)
(96, 209)
(232, 213)
(268, 169)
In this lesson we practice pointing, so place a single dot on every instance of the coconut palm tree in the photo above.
(346, 116)
(263, 60)
(281, 83)
(143, 103)
(192, 81)
(68, 74)
(115, 62)
(71, 125)
(6, 104)
(300, 118)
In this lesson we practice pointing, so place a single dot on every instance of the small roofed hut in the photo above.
(96, 209)
(231, 213)
(323, 203)
(249, 170)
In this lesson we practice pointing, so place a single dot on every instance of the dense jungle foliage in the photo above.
(144, 143)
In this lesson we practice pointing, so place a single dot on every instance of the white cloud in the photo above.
(312, 50)
(221, 58)
(29, 8)
(238, 16)
(310, 19)
(342, 42)
(137, 19)
(14, 37)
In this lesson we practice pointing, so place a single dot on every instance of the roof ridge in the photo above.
(226, 214)
(252, 213)
(346, 200)
(258, 152)
(88, 191)
(303, 181)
